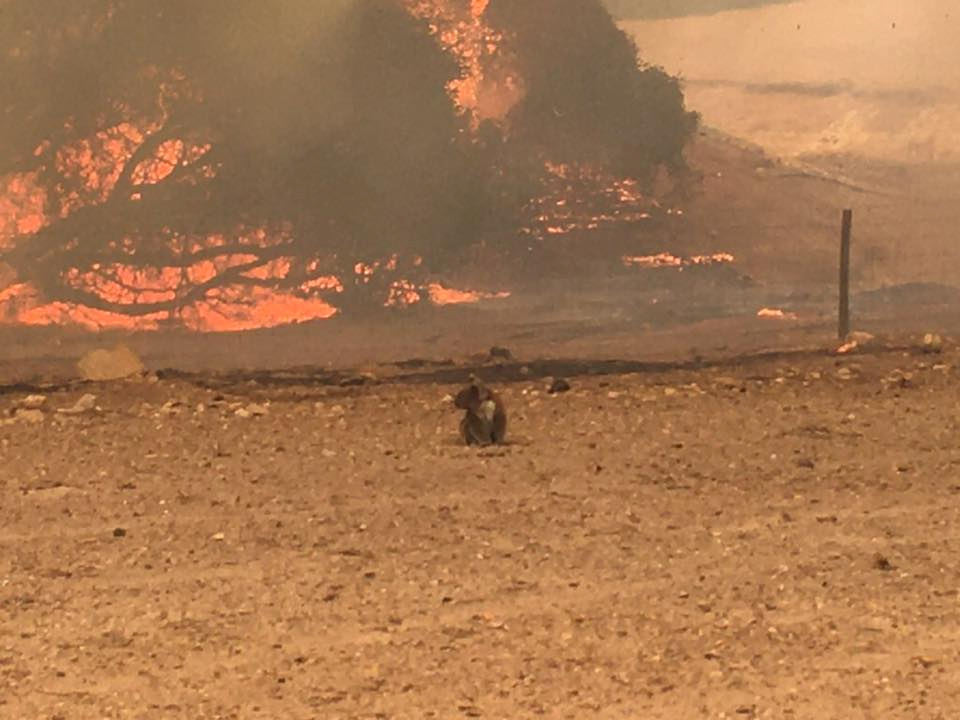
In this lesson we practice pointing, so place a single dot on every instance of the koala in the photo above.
(485, 418)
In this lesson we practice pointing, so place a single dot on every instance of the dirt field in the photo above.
(772, 539)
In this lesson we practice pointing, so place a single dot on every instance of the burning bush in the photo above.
(170, 159)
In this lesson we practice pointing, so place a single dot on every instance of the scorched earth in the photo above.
(775, 538)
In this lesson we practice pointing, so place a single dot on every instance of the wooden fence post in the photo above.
(844, 319)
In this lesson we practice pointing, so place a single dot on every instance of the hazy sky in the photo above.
(677, 8)
(877, 42)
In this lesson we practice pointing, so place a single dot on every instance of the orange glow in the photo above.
(583, 199)
(488, 87)
(441, 295)
(776, 314)
(666, 260)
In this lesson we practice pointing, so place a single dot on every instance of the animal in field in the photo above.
(485, 416)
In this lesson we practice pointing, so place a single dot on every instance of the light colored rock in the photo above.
(87, 403)
(932, 343)
(32, 402)
(115, 364)
(252, 410)
(861, 338)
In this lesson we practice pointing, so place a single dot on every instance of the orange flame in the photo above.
(488, 87)
(667, 260)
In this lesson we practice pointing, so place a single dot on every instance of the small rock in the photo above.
(116, 364)
(219, 537)
(932, 343)
(559, 385)
(119, 532)
(170, 407)
(806, 463)
(85, 404)
(898, 379)
(861, 338)
(32, 402)
(882, 563)
(252, 410)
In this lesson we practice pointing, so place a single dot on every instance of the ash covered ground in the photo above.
(769, 538)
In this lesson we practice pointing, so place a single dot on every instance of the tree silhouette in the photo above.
(588, 98)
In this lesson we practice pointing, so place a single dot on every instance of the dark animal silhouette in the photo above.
(485, 417)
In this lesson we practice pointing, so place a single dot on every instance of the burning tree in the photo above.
(188, 151)
(160, 158)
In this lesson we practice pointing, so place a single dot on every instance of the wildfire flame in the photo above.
(776, 314)
(488, 87)
(667, 260)
(577, 199)
(96, 166)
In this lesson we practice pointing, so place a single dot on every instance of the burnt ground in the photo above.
(771, 538)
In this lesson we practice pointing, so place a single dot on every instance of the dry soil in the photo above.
(773, 538)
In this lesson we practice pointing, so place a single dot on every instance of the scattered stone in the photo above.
(119, 532)
(807, 463)
(861, 338)
(925, 662)
(116, 364)
(932, 343)
(845, 373)
(559, 385)
(882, 563)
(252, 410)
(170, 407)
(848, 347)
(87, 403)
(32, 402)
(57, 492)
(898, 379)
(218, 537)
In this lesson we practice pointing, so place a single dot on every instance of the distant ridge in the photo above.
(651, 9)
